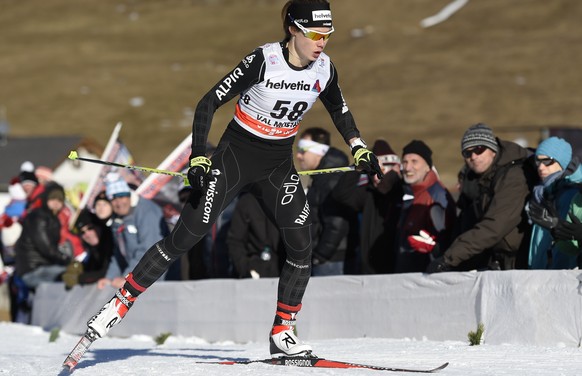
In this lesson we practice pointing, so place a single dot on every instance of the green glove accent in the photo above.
(366, 160)
(198, 172)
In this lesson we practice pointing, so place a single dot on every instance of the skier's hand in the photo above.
(366, 161)
(423, 242)
(565, 230)
(199, 172)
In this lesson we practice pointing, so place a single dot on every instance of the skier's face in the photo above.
(306, 48)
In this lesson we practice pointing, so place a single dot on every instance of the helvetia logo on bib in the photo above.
(284, 85)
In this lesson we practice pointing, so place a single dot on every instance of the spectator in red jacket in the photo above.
(33, 190)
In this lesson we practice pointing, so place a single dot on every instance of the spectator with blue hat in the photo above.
(560, 175)
(554, 149)
(136, 223)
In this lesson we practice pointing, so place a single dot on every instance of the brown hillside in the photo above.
(72, 67)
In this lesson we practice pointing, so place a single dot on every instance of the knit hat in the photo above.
(27, 177)
(55, 191)
(479, 135)
(556, 148)
(85, 218)
(115, 186)
(101, 196)
(27, 166)
(384, 152)
(44, 173)
(420, 148)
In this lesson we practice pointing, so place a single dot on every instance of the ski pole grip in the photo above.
(73, 155)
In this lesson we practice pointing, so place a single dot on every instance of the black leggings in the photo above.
(242, 161)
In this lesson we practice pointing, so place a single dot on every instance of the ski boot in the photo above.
(283, 340)
(111, 313)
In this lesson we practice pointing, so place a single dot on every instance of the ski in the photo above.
(299, 361)
(79, 350)
(323, 363)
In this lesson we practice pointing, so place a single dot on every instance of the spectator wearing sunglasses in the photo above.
(330, 224)
(561, 177)
(98, 244)
(275, 86)
(492, 228)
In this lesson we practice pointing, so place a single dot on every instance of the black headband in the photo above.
(310, 15)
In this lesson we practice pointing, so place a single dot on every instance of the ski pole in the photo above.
(327, 170)
(74, 156)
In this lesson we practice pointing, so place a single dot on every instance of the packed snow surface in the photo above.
(26, 350)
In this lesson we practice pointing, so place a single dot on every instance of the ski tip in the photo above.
(443, 366)
(66, 370)
(73, 155)
(69, 364)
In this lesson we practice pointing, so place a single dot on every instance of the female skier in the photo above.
(277, 84)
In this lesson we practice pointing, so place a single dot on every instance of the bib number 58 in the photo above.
(281, 109)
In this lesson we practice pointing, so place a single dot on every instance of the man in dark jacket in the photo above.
(329, 221)
(428, 211)
(492, 226)
(38, 256)
(379, 203)
(254, 243)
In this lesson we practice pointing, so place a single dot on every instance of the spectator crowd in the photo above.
(515, 208)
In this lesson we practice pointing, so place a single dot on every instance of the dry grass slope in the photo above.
(72, 67)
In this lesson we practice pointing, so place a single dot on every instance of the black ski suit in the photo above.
(256, 153)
